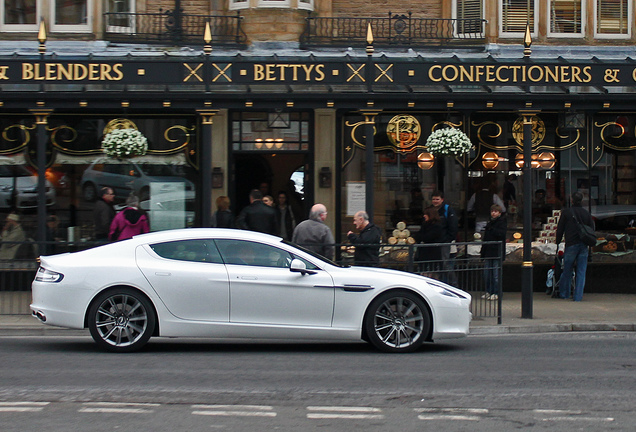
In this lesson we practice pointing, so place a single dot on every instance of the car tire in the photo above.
(89, 192)
(397, 322)
(121, 320)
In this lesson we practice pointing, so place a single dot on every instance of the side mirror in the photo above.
(298, 266)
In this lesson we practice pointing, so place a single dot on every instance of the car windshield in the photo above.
(313, 254)
(14, 171)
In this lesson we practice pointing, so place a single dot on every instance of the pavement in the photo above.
(597, 312)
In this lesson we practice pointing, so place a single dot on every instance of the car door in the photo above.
(189, 276)
(263, 289)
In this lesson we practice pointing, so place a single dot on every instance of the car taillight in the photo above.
(45, 275)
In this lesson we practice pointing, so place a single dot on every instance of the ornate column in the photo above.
(41, 121)
(527, 265)
(205, 165)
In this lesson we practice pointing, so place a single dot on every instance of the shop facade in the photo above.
(220, 124)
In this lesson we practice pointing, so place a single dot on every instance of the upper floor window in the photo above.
(613, 18)
(469, 15)
(20, 15)
(567, 18)
(515, 15)
(71, 16)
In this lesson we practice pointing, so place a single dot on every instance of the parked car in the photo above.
(226, 283)
(127, 177)
(614, 218)
(17, 182)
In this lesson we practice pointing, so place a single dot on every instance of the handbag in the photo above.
(586, 232)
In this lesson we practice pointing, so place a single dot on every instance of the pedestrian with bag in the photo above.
(575, 224)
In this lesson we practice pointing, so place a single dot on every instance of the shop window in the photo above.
(20, 15)
(71, 16)
(567, 18)
(613, 18)
(515, 15)
(469, 14)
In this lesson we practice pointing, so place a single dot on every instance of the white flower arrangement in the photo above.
(448, 142)
(123, 143)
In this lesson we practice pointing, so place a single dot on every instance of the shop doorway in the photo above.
(272, 173)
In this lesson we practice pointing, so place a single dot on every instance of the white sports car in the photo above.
(225, 283)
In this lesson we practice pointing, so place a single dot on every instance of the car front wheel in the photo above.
(397, 322)
(121, 320)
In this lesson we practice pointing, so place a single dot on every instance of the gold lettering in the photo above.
(553, 73)
(452, 77)
(499, 77)
(588, 75)
(50, 69)
(295, 71)
(308, 70)
(535, 68)
(27, 71)
(431, 71)
(320, 71)
(515, 73)
(464, 74)
(117, 69)
(259, 75)
(565, 74)
(80, 72)
(66, 72)
(37, 73)
(3, 72)
(282, 68)
(93, 72)
(270, 73)
(490, 73)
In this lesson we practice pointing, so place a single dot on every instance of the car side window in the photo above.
(196, 250)
(242, 252)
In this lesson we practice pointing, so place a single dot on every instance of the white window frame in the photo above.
(283, 4)
(568, 35)
(630, 21)
(454, 15)
(119, 29)
(72, 28)
(306, 5)
(21, 27)
(533, 33)
(239, 4)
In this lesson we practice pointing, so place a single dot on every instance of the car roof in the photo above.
(194, 233)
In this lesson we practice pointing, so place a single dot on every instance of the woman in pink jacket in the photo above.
(129, 222)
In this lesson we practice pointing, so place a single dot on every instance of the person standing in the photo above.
(450, 227)
(431, 231)
(480, 203)
(369, 235)
(285, 217)
(11, 236)
(257, 216)
(575, 249)
(314, 234)
(223, 217)
(493, 254)
(129, 222)
(103, 214)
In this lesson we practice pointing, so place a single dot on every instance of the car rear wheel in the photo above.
(397, 322)
(121, 320)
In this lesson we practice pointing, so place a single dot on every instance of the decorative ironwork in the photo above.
(395, 29)
(173, 27)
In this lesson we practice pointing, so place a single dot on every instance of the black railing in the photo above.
(174, 28)
(394, 30)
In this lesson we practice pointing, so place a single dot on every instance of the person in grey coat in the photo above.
(314, 235)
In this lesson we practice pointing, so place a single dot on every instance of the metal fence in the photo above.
(465, 270)
(395, 29)
(173, 27)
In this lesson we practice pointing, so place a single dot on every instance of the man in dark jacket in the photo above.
(450, 224)
(493, 254)
(575, 249)
(258, 216)
(369, 235)
(103, 214)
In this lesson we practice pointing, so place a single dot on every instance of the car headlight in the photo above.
(46, 275)
(445, 292)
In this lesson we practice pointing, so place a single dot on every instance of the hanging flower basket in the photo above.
(448, 142)
(125, 143)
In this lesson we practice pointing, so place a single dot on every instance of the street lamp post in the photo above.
(527, 266)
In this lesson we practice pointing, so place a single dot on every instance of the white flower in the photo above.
(125, 143)
(448, 142)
